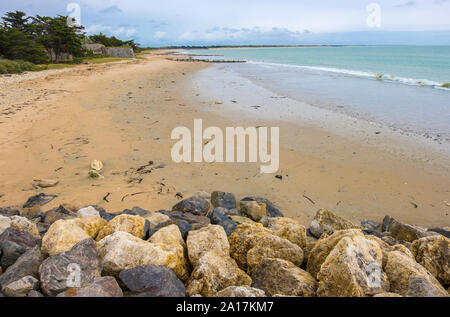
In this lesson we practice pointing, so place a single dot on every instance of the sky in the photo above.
(255, 22)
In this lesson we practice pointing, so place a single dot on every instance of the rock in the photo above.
(21, 287)
(78, 267)
(58, 213)
(442, 231)
(288, 229)
(152, 281)
(389, 240)
(5, 223)
(387, 295)
(157, 221)
(386, 224)
(270, 246)
(213, 273)
(186, 221)
(400, 268)
(219, 217)
(171, 236)
(323, 247)
(137, 211)
(241, 291)
(11, 211)
(45, 183)
(211, 238)
(40, 199)
(64, 234)
(315, 229)
(14, 243)
(223, 200)
(23, 224)
(418, 286)
(34, 293)
(271, 209)
(277, 276)
(101, 287)
(241, 220)
(253, 209)
(433, 253)
(134, 225)
(353, 269)
(26, 265)
(244, 238)
(121, 250)
(196, 205)
(331, 222)
(88, 212)
(404, 232)
(370, 225)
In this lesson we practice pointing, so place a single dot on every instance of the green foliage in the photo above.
(446, 85)
(16, 67)
(112, 41)
(15, 44)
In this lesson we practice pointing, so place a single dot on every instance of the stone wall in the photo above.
(125, 52)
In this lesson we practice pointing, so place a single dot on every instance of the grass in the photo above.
(16, 67)
(446, 85)
(101, 60)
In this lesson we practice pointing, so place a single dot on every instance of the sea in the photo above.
(403, 87)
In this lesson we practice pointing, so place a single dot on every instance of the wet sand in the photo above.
(123, 114)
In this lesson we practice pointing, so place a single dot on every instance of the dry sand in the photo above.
(52, 126)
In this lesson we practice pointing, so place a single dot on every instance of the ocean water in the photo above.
(398, 86)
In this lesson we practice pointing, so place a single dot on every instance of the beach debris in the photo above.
(448, 204)
(105, 198)
(40, 199)
(97, 165)
(280, 177)
(218, 102)
(414, 204)
(45, 183)
(310, 200)
(95, 174)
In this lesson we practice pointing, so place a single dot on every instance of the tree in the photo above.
(112, 41)
(17, 20)
(56, 36)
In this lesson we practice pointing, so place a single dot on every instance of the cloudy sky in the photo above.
(236, 22)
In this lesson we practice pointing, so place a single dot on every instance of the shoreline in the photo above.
(123, 115)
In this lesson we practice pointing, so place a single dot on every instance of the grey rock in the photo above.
(13, 244)
(418, 286)
(405, 232)
(82, 258)
(186, 221)
(196, 205)
(315, 229)
(10, 253)
(40, 199)
(219, 217)
(224, 200)
(136, 211)
(10, 211)
(271, 209)
(370, 225)
(101, 287)
(386, 224)
(34, 293)
(22, 287)
(152, 281)
(26, 265)
(58, 213)
(441, 231)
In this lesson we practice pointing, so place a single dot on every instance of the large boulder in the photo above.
(271, 246)
(244, 238)
(5, 223)
(26, 265)
(419, 286)
(323, 247)
(196, 205)
(62, 212)
(14, 243)
(39, 199)
(101, 287)
(152, 281)
(331, 222)
(77, 267)
(133, 224)
(88, 212)
(289, 229)
(271, 209)
(211, 238)
(23, 224)
(400, 268)
(220, 217)
(241, 291)
(213, 273)
(171, 236)
(277, 276)
(21, 287)
(224, 200)
(64, 234)
(433, 253)
(353, 269)
(405, 232)
(157, 221)
(253, 209)
(186, 221)
(121, 250)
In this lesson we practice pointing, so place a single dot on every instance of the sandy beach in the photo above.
(55, 123)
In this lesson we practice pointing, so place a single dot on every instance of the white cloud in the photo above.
(159, 35)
